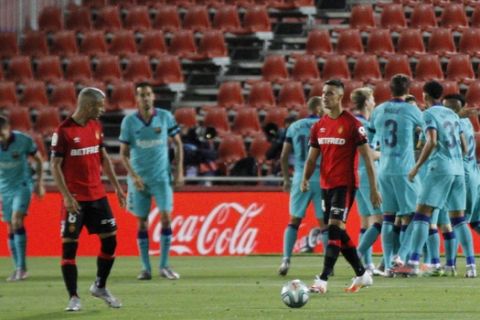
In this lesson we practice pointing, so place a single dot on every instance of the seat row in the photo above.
(274, 4)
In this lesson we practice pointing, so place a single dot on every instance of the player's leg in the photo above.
(7, 217)
(289, 239)
(20, 204)
(390, 207)
(433, 247)
(450, 244)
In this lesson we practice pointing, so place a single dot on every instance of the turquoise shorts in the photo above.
(471, 185)
(16, 201)
(140, 202)
(440, 216)
(364, 205)
(399, 195)
(299, 200)
(449, 192)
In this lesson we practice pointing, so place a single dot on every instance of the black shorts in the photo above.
(95, 215)
(338, 202)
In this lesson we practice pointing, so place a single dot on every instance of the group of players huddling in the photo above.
(400, 199)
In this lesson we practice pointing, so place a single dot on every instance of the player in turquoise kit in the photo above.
(16, 188)
(297, 140)
(144, 138)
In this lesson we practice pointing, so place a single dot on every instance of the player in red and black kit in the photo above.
(336, 137)
(78, 157)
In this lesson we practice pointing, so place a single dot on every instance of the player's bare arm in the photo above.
(112, 177)
(125, 156)
(178, 160)
(426, 152)
(366, 153)
(310, 164)
(71, 205)
(39, 186)
(286, 150)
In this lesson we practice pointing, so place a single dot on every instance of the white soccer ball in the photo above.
(295, 294)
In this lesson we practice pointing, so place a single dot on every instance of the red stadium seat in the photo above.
(230, 95)
(94, 3)
(108, 19)
(231, 149)
(196, 19)
(212, 45)
(108, 69)
(128, 4)
(78, 19)
(291, 95)
(34, 44)
(50, 19)
(349, 86)
(261, 95)
(63, 96)
(153, 43)
(47, 121)
(138, 69)
(34, 95)
(316, 90)
(211, 3)
(454, 17)
(382, 92)
(241, 3)
(64, 43)
(168, 70)
(123, 43)
(397, 64)
(78, 69)
(256, 19)
(470, 42)
(410, 42)
(361, 17)
(183, 45)
(441, 42)
(336, 67)
(428, 68)
(49, 69)
(416, 89)
(122, 96)
(460, 69)
(276, 115)
(475, 21)
(167, 19)
(1, 72)
(186, 117)
(450, 87)
(19, 69)
(226, 19)
(380, 42)
(93, 43)
(217, 118)
(306, 69)
(9, 47)
(274, 69)
(19, 119)
(8, 97)
(246, 122)
(393, 17)
(472, 96)
(93, 84)
(367, 69)
(318, 43)
(258, 148)
(423, 17)
(349, 43)
(137, 19)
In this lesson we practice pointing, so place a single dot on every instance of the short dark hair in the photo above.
(399, 85)
(336, 83)
(434, 89)
(455, 96)
(142, 85)
(4, 121)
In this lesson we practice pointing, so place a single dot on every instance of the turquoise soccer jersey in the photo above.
(15, 171)
(469, 160)
(148, 144)
(362, 169)
(394, 123)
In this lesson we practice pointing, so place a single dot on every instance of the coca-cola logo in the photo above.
(226, 230)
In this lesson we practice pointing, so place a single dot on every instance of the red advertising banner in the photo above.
(204, 223)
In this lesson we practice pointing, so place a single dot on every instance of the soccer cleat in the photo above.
(407, 271)
(105, 295)
(22, 274)
(397, 261)
(362, 281)
(450, 271)
(471, 271)
(168, 273)
(74, 304)
(318, 286)
(434, 272)
(388, 273)
(13, 276)
(145, 275)
(283, 270)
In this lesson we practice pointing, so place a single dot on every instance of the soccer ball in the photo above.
(295, 294)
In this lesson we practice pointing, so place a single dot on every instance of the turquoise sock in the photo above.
(426, 254)
(13, 250)
(20, 239)
(433, 246)
(406, 241)
(143, 247)
(396, 239)
(165, 240)
(367, 240)
(367, 258)
(387, 240)
(450, 248)
(289, 238)
(325, 240)
(464, 236)
(419, 235)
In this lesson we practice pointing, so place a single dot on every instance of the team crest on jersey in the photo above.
(340, 129)
(157, 130)
(76, 139)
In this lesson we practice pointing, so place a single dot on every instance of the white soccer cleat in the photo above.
(283, 270)
(168, 273)
(144, 275)
(471, 271)
(318, 286)
(450, 271)
(22, 274)
(105, 295)
(397, 261)
(362, 281)
(74, 304)
(13, 276)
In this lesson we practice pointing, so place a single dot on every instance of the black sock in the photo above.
(105, 260)
(332, 252)
(69, 267)
(349, 251)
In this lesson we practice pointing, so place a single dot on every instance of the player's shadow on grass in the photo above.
(84, 314)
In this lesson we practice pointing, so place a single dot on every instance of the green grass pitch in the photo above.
(234, 288)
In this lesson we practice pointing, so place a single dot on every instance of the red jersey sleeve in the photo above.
(359, 133)
(314, 137)
(59, 145)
